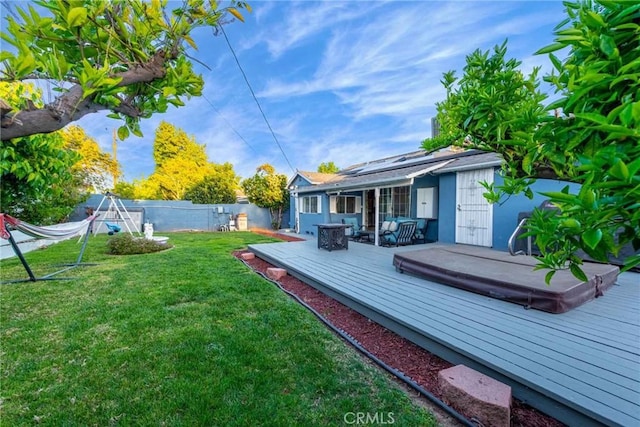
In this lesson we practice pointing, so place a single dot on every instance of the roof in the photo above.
(318, 177)
(397, 170)
(477, 161)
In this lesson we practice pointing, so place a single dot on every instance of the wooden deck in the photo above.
(581, 367)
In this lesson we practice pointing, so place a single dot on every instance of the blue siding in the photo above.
(505, 215)
(307, 221)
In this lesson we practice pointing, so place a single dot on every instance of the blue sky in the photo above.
(341, 81)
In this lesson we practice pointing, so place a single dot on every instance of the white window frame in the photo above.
(357, 204)
(305, 204)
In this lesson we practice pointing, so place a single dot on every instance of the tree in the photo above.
(172, 142)
(328, 167)
(180, 162)
(176, 176)
(146, 189)
(589, 136)
(267, 189)
(95, 166)
(218, 186)
(36, 180)
(124, 190)
(128, 57)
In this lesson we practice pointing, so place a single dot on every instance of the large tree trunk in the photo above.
(276, 217)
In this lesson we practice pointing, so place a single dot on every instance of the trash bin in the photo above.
(242, 222)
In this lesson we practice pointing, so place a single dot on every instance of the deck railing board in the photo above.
(560, 355)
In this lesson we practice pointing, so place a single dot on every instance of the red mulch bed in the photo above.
(414, 361)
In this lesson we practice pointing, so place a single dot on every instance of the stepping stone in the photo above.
(276, 273)
(247, 256)
(477, 395)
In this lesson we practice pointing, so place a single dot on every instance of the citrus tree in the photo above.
(590, 135)
(268, 189)
(127, 57)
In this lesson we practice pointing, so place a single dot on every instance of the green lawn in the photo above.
(188, 336)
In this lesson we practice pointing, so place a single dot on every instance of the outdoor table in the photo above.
(369, 234)
(332, 236)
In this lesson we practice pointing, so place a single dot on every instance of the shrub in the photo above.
(126, 244)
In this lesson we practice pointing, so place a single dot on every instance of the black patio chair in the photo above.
(403, 235)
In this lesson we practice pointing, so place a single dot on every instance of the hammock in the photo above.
(54, 232)
(59, 231)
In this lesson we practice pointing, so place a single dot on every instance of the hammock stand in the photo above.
(81, 228)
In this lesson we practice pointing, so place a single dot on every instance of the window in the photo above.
(310, 204)
(345, 204)
(394, 202)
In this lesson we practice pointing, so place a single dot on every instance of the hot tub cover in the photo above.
(510, 278)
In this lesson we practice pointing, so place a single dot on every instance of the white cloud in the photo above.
(340, 81)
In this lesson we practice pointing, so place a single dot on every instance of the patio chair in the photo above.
(354, 230)
(402, 235)
(421, 230)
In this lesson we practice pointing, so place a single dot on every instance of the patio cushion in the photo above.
(354, 230)
(393, 226)
(385, 226)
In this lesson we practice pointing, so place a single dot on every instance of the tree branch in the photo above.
(70, 106)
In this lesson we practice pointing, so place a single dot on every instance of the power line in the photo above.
(256, 99)
(229, 124)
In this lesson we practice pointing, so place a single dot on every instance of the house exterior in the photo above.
(443, 187)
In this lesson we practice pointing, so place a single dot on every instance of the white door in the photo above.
(474, 214)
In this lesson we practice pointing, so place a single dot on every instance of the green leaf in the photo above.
(592, 237)
(578, 273)
(550, 48)
(555, 61)
(619, 170)
(168, 90)
(588, 197)
(556, 195)
(4, 55)
(593, 117)
(608, 46)
(626, 115)
(123, 133)
(26, 65)
(548, 276)
(636, 111)
(594, 19)
(77, 17)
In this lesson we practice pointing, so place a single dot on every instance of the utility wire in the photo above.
(229, 124)
(256, 99)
